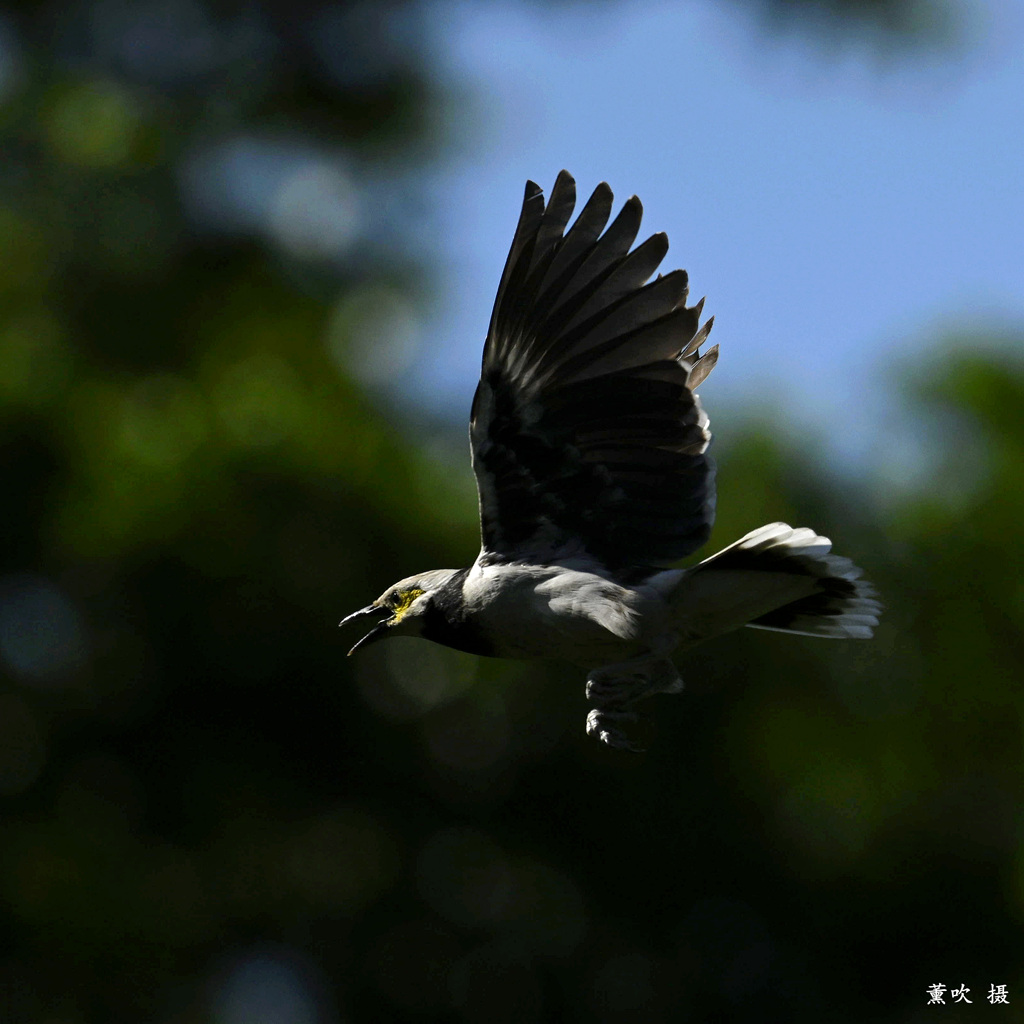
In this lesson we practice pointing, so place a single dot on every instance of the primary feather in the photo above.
(585, 430)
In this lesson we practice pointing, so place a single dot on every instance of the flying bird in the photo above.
(590, 449)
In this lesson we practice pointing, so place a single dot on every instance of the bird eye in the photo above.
(401, 602)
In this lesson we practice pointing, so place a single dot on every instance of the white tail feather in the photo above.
(783, 579)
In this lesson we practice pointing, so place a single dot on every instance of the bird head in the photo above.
(401, 609)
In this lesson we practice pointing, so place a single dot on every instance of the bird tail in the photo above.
(779, 578)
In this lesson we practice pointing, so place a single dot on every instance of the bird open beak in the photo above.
(378, 632)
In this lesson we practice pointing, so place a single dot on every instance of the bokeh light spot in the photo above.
(270, 987)
(94, 124)
(41, 634)
(428, 675)
(282, 188)
(375, 333)
(314, 214)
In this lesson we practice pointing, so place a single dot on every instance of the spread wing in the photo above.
(586, 433)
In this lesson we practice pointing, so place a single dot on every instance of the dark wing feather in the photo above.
(586, 433)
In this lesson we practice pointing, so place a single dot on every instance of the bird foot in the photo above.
(616, 688)
(599, 725)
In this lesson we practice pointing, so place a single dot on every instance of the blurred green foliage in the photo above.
(209, 815)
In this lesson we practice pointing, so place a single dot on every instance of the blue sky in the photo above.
(841, 210)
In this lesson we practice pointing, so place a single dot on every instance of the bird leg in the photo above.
(616, 688)
(629, 681)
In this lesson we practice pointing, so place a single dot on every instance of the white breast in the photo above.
(531, 611)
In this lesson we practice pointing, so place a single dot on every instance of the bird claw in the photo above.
(599, 726)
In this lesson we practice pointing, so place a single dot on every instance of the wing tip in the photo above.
(702, 367)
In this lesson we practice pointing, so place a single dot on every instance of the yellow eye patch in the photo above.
(403, 600)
